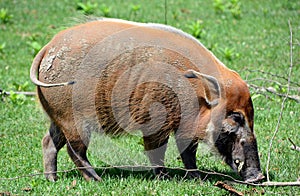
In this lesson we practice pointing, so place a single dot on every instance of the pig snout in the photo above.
(251, 171)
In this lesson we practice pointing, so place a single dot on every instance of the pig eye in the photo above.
(242, 141)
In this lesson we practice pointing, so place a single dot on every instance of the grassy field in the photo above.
(245, 35)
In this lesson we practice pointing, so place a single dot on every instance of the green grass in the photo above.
(255, 36)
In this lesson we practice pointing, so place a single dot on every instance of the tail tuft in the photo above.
(71, 83)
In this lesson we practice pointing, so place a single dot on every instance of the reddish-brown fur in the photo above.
(87, 105)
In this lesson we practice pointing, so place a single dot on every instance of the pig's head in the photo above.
(237, 144)
(230, 122)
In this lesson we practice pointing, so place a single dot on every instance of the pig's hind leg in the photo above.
(155, 150)
(52, 142)
(77, 150)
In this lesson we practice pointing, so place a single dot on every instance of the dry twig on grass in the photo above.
(262, 90)
(283, 102)
(294, 146)
(296, 183)
(229, 188)
(272, 75)
(130, 167)
(2, 92)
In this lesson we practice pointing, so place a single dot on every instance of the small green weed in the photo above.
(134, 10)
(234, 7)
(211, 44)
(229, 53)
(87, 8)
(2, 46)
(197, 28)
(21, 86)
(106, 10)
(5, 16)
(175, 15)
(219, 6)
(17, 99)
(13, 96)
(34, 46)
(231, 6)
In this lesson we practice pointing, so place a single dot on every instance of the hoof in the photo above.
(163, 176)
(258, 178)
(161, 173)
(91, 175)
(193, 175)
(51, 177)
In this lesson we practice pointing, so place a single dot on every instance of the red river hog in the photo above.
(112, 76)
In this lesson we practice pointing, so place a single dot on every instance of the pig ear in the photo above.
(232, 123)
(211, 86)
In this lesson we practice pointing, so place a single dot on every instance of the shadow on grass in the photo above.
(175, 174)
